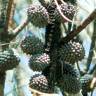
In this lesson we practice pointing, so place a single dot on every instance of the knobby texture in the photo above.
(56, 56)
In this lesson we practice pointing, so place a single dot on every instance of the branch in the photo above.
(91, 47)
(73, 33)
(16, 31)
(11, 20)
(8, 14)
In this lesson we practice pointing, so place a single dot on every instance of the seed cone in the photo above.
(39, 62)
(68, 78)
(39, 83)
(70, 52)
(8, 60)
(38, 15)
(31, 45)
(70, 84)
(58, 72)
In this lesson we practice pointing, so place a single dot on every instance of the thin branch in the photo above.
(8, 14)
(73, 33)
(64, 17)
(78, 68)
(8, 43)
(11, 21)
(16, 31)
(91, 47)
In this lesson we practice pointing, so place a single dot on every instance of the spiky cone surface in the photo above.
(39, 84)
(63, 69)
(56, 73)
(70, 52)
(68, 78)
(67, 9)
(70, 84)
(39, 62)
(32, 45)
(86, 82)
(8, 60)
(65, 76)
(38, 15)
(60, 69)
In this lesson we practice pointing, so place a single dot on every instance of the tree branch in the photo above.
(8, 14)
(16, 31)
(73, 33)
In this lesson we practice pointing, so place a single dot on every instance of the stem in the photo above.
(73, 33)
(2, 82)
(91, 47)
(20, 28)
(78, 68)
(8, 14)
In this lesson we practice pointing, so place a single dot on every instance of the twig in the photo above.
(73, 33)
(78, 68)
(64, 17)
(91, 47)
(16, 31)
(8, 14)
(11, 21)
(8, 43)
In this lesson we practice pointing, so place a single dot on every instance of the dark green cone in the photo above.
(32, 45)
(70, 84)
(8, 60)
(67, 9)
(39, 82)
(39, 62)
(69, 53)
(38, 15)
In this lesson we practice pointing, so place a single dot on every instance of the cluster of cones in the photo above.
(55, 61)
